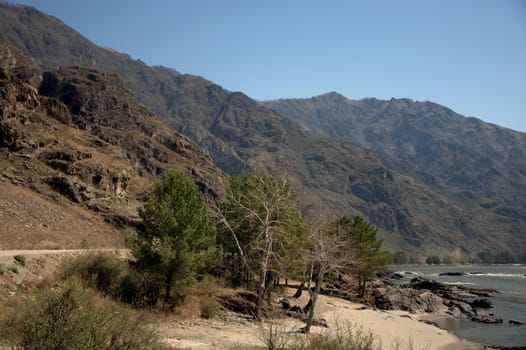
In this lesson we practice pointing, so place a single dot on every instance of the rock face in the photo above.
(424, 295)
(82, 138)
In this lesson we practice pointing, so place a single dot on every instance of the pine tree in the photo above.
(365, 246)
(176, 240)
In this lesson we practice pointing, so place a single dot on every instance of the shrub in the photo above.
(20, 260)
(113, 277)
(72, 318)
(101, 271)
(433, 260)
(209, 307)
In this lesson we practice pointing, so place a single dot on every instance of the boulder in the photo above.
(452, 274)
(407, 299)
(484, 316)
(423, 295)
(482, 304)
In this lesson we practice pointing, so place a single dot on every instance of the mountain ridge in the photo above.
(241, 134)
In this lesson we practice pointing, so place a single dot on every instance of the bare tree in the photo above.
(262, 216)
(326, 254)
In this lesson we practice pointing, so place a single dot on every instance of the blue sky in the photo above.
(469, 55)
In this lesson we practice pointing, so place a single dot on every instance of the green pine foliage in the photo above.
(177, 240)
(363, 243)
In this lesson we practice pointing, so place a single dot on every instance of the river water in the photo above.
(509, 304)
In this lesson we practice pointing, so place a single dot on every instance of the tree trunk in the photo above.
(313, 299)
(269, 286)
(260, 296)
(261, 287)
(361, 285)
(265, 259)
(299, 291)
(168, 285)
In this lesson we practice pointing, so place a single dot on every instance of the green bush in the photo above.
(114, 278)
(433, 260)
(72, 318)
(101, 271)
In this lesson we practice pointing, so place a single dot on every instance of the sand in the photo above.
(391, 329)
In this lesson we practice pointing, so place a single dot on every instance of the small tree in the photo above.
(176, 240)
(362, 241)
(399, 258)
(325, 254)
(433, 260)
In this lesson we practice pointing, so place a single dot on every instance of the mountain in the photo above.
(79, 154)
(241, 134)
(479, 167)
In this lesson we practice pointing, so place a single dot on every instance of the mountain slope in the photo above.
(239, 134)
(479, 167)
(79, 155)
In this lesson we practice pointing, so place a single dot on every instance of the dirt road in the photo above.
(39, 252)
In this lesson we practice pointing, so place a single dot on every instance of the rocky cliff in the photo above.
(83, 143)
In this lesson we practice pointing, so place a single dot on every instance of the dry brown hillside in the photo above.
(78, 155)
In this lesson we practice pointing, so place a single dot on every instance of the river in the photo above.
(509, 304)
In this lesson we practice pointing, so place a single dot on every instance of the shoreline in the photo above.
(395, 327)
(392, 329)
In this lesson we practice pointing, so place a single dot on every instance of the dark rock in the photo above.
(423, 295)
(515, 322)
(285, 304)
(482, 303)
(483, 292)
(481, 315)
(397, 276)
(407, 299)
(390, 275)
(429, 322)
(452, 274)
(424, 283)
(65, 187)
(450, 291)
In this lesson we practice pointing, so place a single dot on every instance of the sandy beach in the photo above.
(392, 329)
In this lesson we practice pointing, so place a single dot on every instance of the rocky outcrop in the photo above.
(82, 140)
(429, 296)
(408, 299)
